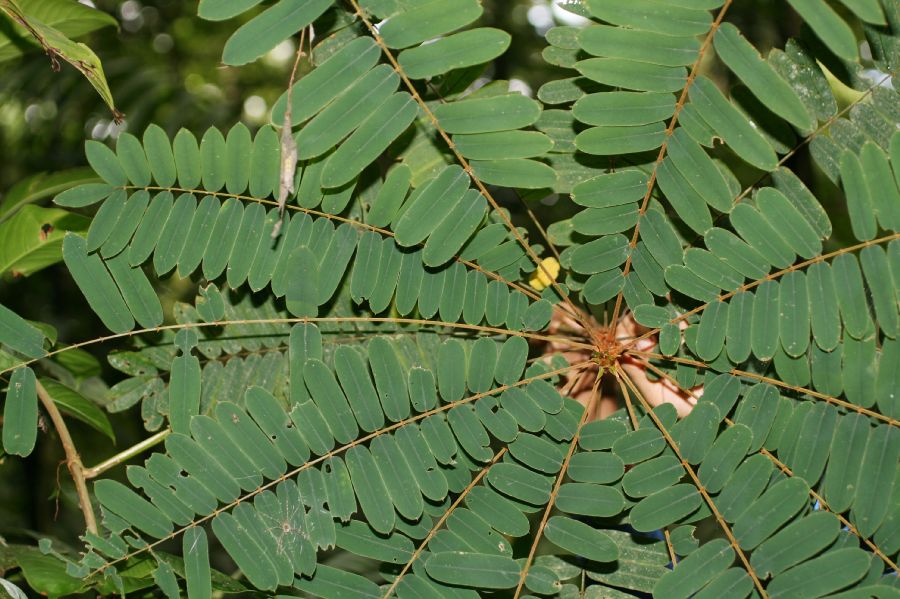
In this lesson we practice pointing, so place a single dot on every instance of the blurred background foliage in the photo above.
(163, 65)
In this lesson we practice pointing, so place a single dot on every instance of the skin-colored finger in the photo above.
(579, 386)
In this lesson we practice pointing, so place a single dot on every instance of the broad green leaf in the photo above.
(793, 308)
(623, 108)
(269, 28)
(356, 537)
(104, 162)
(696, 433)
(35, 188)
(762, 236)
(613, 189)
(736, 253)
(72, 403)
(851, 295)
(665, 507)
(37, 22)
(765, 320)
(71, 19)
(19, 335)
(698, 169)
(32, 238)
(184, 392)
(83, 195)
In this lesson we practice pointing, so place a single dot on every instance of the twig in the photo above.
(288, 145)
(125, 455)
(73, 460)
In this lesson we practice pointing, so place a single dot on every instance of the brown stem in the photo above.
(73, 460)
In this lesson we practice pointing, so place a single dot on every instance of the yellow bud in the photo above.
(540, 279)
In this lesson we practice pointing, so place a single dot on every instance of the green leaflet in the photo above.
(132, 159)
(696, 570)
(773, 91)
(316, 89)
(515, 172)
(484, 115)
(639, 76)
(836, 569)
(83, 195)
(860, 203)
(20, 413)
(427, 20)
(138, 293)
(187, 159)
(485, 571)
(431, 205)
(641, 46)
(620, 140)
(96, 284)
(268, 29)
(219, 10)
(623, 108)
(196, 563)
(581, 539)
(452, 233)
(731, 125)
(376, 133)
(212, 159)
(613, 189)
(828, 26)
(347, 112)
(460, 50)
(674, 19)
(699, 170)
(503, 145)
(159, 155)
(238, 147)
(17, 334)
(184, 389)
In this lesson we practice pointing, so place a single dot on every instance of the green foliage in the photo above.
(392, 376)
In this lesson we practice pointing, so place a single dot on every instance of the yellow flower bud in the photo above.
(540, 279)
